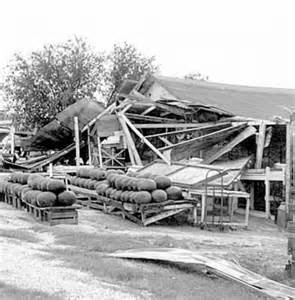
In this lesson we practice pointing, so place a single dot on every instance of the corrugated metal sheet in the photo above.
(250, 102)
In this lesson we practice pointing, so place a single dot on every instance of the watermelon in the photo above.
(33, 181)
(146, 185)
(66, 198)
(142, 197)
(55, 186)
(174, 193)
(144, 175)
(45, 199)
(101, 188)
(159, 196)
(163, 182)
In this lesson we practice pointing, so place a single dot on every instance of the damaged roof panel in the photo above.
(252, 102)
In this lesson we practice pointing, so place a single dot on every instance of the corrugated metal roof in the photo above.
(252, 102)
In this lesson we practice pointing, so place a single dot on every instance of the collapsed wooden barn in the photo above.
(240, 129)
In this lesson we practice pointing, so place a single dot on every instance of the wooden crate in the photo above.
(53, 215)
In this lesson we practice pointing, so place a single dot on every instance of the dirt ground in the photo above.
(69, 261)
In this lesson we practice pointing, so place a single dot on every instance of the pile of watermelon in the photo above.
(88, 178)
(138, 188)
(38, 190)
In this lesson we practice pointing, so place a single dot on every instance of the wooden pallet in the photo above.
(146, 214)
(53, 215)
(11, 200)
(143, 214)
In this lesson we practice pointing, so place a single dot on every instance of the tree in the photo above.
(196, 76)
(43, 84)
(126, 62)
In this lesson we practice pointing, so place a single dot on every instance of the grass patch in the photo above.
(19, 234)
(10, 292)
(163, 281)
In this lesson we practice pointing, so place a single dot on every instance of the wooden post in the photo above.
(267, 193)
(252, 195)
(12, 139)
(260, 145)
(99, 151)
(50, 170)
(77, 140)
(288, 168)
(144, 139)
(133, 154)
(89, 147)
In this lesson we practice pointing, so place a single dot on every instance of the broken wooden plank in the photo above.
(189, 148)
(151, 118)
(249, 131)
(169, 125)
(260, 145)
(154, 149)
(163, 215)
(133, 154)
(219, 266)
(206, 128)
(148, 110)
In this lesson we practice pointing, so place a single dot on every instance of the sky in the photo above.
(248, 42)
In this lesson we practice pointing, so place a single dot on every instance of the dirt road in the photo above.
(68, 262)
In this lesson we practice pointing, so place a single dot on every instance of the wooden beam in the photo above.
(99, 151)
(108, 110)
(151, 118)
(152, 147)
(249, 131)
(186, 149)
(288, 170)
(148, 110)
(77, 140)
(133, 154)
(267, 193)
(167, 142)
(12, 139)
(260, 145)
(170, 125)
(89, 147)
(191, 130)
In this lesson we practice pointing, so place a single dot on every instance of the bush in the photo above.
(66, 198)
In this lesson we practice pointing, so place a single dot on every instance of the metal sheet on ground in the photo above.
(219, 266)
